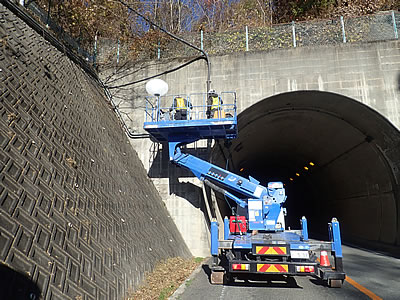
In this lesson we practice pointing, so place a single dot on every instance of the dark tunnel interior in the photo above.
(336, 156)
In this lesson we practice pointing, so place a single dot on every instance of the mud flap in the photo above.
(333, 278)
(217, 277)
(335, 283)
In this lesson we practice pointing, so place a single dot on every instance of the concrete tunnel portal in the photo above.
(350, 152)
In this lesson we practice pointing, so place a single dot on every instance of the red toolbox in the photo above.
(236, 223)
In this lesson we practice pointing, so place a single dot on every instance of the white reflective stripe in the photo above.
(258, 191)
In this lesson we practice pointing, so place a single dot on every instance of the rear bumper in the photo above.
(264, 267)
(329, 274)
(285, 268)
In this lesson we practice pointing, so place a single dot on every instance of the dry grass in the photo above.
(166, 277)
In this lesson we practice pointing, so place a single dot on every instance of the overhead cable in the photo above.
(163, 73)
(174, 37)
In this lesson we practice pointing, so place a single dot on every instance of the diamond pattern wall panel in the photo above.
(78, 215)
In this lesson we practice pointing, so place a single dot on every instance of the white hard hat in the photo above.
(211, 91)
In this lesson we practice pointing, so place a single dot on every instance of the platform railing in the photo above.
(160, 109)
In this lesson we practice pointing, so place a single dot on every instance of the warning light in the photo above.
(312, 164)
(305, 269)
(241, 267)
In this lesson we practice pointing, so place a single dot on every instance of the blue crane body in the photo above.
(255, 241)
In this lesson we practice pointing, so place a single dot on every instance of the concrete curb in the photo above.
(179, 291)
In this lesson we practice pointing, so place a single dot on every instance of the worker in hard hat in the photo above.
(214, 103)
(181, 106)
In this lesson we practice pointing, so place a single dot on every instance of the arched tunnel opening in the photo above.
(336, 156)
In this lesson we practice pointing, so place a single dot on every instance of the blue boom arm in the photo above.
(264, 204)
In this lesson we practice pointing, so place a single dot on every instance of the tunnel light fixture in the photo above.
(241, 169)
(306, 168)
(297, 174)
(291, 179)
(311, 164)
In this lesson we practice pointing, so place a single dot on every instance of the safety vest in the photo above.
(180, 103)
(215, 102)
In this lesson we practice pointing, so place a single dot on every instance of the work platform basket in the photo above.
(168, 122)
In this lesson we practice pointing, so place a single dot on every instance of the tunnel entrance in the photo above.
(336, 156)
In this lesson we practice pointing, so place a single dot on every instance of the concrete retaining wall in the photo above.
(79, 217)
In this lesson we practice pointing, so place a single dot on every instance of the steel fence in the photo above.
(381, 26)
(61, 35)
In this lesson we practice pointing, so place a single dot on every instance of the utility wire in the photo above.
(176, 38)
(162, 29)
(163, 73)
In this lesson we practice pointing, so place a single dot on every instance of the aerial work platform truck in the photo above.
(255, 241)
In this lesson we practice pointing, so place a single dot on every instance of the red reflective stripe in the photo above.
(279, 250)
(263, 250)
(264, 268)
(280, 268)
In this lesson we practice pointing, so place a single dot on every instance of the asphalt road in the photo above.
(370, 276)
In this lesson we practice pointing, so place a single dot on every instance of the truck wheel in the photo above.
(335, 283)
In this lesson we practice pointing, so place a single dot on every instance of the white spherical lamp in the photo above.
(156, 87)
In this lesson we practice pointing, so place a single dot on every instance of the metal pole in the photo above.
(396, 35)
(48, 14)
(158, 108)
(208, 81)
(95, 50)
(201, 39)
(206, 201)
(343, 31)
(118, 52)
(247, 38)
(294, 34)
